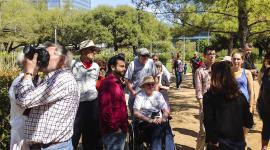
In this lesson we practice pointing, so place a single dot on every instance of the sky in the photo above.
(95, 3)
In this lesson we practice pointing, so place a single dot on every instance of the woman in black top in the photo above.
(264, 101)
(226, 111)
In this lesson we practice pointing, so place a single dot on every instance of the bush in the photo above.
(6, 79)
(164, 58)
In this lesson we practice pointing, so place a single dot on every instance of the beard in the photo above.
(119, 73)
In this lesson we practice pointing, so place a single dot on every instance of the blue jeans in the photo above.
(60, 146)
(114, 141)
(156, 134)
(178, 75)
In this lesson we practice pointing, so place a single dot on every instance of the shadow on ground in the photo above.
(182, 107)
(183, 147)
(186, 132)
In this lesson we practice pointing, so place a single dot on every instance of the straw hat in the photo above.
(227, 58)
(147, 79)
(88, 44)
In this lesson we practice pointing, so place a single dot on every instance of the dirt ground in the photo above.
(185, 123)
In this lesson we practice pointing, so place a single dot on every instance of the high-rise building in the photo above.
(74, 4)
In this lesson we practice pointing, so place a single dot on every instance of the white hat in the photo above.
(227, 58)
(88, 44)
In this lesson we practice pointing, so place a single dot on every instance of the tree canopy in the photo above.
(239, 20)
(123, 26)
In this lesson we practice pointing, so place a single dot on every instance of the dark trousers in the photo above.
(178, 76)
(228, 144)
(156, 133)
(193, 78)
(266, 129)
(87, 124)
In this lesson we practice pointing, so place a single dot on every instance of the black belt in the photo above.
(39, 146)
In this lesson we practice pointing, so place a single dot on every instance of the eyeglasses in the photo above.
(155, 59)
(211, 54)
(150, 84)
(144, 55)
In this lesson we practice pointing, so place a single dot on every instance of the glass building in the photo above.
(75, 4)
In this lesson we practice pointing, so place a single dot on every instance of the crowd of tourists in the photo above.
(83, 99)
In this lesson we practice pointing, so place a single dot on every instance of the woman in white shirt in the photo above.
(17, 117)
(151, 110)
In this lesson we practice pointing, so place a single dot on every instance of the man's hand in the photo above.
(133, 93)
(30, 65)
(118, 131)
(251, 109)
(157, 121)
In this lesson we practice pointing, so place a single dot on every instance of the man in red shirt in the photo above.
(112, 106)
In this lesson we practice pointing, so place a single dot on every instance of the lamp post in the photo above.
(55, 35)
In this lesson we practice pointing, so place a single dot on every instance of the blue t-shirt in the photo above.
(243, 84)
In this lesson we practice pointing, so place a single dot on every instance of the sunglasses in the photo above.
(155, 59)
(211, 54)
(144, 55)
(150, 84)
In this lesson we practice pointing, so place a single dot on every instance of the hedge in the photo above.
(6, 79)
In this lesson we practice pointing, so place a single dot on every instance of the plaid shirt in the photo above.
(53, 105)
(202, 81)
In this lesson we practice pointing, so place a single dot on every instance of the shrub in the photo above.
(6, 79)
(164, 58)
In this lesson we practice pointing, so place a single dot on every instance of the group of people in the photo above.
(82, 99)
(66, 104)
(225, 93)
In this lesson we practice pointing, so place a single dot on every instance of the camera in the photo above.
(43, 55)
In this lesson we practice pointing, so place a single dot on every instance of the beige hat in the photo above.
(227, 58)
(147, 79)
(88, 44)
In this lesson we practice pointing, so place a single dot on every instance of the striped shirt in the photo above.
(53, 104)
(202, 81)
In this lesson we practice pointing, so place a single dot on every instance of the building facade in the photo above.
(74, 4)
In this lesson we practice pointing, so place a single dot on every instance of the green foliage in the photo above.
(118, 27)
(6, 79)
(247, 18)
(165, 58)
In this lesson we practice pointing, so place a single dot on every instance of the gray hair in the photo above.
(20, 58)
(61, 51)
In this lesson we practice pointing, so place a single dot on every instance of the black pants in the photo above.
(87, 124)
(266, 128)
(227, 144)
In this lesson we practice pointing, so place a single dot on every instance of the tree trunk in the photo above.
(10, 47)
(242, 22)
(230, 48)
(5, 46)
(115, 46)
(260, 52)
(134, 50)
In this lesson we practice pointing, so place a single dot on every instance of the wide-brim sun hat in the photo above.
(227, 58)
(147, 79)
(88, 44)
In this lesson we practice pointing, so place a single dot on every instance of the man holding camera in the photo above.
(53, 103)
